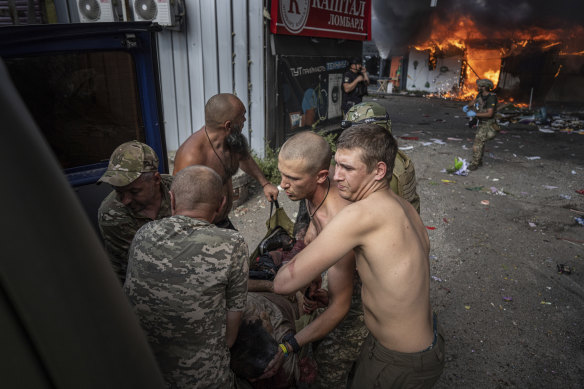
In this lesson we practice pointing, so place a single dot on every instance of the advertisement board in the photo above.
(341, 19)
(310, 89)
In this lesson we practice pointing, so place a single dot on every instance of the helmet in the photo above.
(486, 83)
(368, 112)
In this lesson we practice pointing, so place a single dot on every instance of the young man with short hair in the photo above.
(304, 163)
(391, 248)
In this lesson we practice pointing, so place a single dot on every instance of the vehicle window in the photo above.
(85, 104)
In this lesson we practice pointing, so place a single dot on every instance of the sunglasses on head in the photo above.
(347, 123)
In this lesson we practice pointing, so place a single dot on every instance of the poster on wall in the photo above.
(310, 89)
(334, 94)
(340, 19)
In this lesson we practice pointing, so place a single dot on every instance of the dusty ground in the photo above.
(511, 320)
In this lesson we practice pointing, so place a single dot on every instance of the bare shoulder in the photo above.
(355, 217)
(383, 209)
(190, 152)
(337, 203)
(193, 142)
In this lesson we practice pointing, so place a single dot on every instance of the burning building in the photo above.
(533, 51)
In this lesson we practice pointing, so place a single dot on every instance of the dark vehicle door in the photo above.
(89, 87)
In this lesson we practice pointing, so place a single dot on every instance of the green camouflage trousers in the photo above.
(336, 353)
(485, 132)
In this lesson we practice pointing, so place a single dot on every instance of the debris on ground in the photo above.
(564, 269)
(460, 167)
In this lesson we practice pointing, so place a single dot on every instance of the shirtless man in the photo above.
(220, 145)
(304, 162)
(391, 246)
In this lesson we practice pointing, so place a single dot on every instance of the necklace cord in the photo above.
(227, 172)
(322, 202)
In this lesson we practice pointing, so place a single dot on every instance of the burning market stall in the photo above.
(533, 51)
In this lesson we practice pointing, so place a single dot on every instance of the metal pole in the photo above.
(530, 98)
(470, 67)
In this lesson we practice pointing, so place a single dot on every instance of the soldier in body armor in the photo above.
(483, 108)
(355, 81)
(403, 180)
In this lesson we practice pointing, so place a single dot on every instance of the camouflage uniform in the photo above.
(336, 353)
(278, 314)
(118, 224)
(184, 275)
(403, 180)
(486, 128)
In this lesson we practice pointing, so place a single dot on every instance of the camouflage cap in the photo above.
(128, 162)
(367, 112)
(486, 83)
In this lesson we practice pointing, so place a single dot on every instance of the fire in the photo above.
(481, 64)
(481, 56)
(580, 53)
(477, 63)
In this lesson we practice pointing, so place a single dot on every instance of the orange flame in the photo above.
(477, 63)
(462, 38)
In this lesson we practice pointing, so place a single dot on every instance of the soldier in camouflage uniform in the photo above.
(267, 319)
(484, 106)
(140, 195)
(304, 162)
(403, 180)
(187, 282)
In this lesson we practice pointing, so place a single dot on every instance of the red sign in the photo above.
(341, 19)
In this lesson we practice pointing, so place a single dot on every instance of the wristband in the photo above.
(266, 184)
(291, 340)
(284, 349)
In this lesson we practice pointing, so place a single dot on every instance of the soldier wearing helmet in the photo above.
(355, 81)
(482, 108)
(403, 181)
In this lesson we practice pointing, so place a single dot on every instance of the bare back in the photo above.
(197, 150)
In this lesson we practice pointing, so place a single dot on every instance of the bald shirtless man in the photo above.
(220, 145)
(391, 246)
(304, 162)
